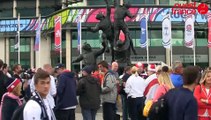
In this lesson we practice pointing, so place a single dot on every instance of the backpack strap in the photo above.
(36, 97)
(153, 82)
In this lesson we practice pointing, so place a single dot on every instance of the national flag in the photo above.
(189, 31)
(144, 32)
(37, 39)
(57, 33)
(166, 31)
(79, 34)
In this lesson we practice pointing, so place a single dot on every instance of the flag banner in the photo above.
(166, 31)
(37, 38)
(209, 29)
(189, 31)
(79, 33)
(57, 33)
(143, 34)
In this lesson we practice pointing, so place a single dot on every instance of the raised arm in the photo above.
(95, 29)
(108, 9)
(98, 53)
(78, 59)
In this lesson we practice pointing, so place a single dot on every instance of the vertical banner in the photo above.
(166, 31)
(57, 33)
(37, 38)
(143, 34)
(189, 31)
(209, 29)
(79, 35)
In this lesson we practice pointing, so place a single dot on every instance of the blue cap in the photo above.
(59, 65)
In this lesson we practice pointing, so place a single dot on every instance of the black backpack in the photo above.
(18, 113)
(159, 110)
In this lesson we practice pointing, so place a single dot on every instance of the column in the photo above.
(68, 49)
(157, 2)
(14, 9)
(32, 53)
(43, 55)
(3, 48)
(37, 8)
(168, 57)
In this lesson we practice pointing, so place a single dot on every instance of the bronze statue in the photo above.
(122, 11)
(89, 56)
(106, 26)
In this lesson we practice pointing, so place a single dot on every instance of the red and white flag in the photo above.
(209, 29)
(189, 31)
(57, 33)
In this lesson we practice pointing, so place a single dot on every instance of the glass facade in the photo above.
(25, 48)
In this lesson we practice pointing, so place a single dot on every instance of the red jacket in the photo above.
(200, 93)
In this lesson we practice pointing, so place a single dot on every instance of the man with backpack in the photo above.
(38, 107)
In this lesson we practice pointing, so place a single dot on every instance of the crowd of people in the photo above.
(49, 93)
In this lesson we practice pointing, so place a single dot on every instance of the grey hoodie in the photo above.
(109, 90)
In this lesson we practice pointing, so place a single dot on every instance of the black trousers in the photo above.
(135, 108)
(65, 114)
(109, 111)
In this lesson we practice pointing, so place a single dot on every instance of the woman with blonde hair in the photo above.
(165, 85)
(10, 100)
(134, 88)
(202, 93)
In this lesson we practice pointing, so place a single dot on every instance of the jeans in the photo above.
(109, 111)
(65, 114)
(124, 107)
(88, 114)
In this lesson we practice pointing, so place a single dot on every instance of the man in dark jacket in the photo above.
(66, 94)
(181, 103)
(89, 94)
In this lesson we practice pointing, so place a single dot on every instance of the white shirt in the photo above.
(51, 93)
(135, 86)
(32, 110)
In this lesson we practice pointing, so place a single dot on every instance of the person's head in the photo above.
(5, 68)
(42, 82)
(177, 67)
(17, 69)
(14, 86)
(151, 69)
(103, 66)
(164, 79)
(127, 5)
(114, 66)
(1, 64)
(127, 69)
(206, 77)
(140, 67)
(59, 68)
(48, 68)
(190, 75)
(87, 70)
(100, 16)
(134, 70)
(165, 69)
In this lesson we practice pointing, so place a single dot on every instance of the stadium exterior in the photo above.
(29, 12)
